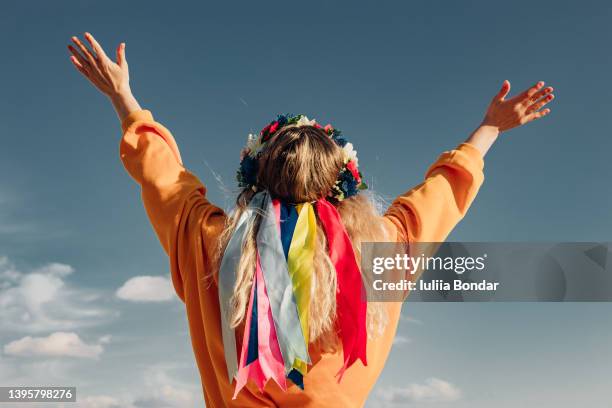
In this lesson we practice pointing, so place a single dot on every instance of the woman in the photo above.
(278, 276)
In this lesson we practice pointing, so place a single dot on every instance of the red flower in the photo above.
(317, 126)
(352, 167)
(328, 128)
(264, 130)
(273, 127)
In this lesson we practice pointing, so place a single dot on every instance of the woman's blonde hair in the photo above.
(301, 164)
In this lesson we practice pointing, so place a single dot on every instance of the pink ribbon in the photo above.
(269, 363)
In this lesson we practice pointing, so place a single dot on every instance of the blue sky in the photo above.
(405, 80)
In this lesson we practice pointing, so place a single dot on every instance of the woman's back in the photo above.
(189, 228)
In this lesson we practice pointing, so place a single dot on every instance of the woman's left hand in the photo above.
(110, 77)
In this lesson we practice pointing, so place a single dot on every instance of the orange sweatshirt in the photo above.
(188, 225)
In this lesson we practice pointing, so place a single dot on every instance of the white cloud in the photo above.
(162, 396)
(400, 340)
(105, 339)
(59, 344)
(147, 289)
(433, 390)
(8, 274)
(166, 391)
(42, 301)
(167, 396)
(158, 388)
(45, 336)
(16, 371)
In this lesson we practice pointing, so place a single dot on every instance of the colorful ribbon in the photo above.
(227, 280)
(300, 262)
(276, 332)
(288, 220)
(350, 306)
(280, 290)
(269, 361)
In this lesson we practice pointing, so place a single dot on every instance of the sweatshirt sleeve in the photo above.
(185, 222)
(429, 211)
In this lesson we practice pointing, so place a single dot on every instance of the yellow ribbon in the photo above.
(300, 261)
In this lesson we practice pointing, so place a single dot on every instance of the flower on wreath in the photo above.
(350, 154)
(304, 121)
(352, 167)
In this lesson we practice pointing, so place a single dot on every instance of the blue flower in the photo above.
(282, 120)
(340, 141)
(248, 172)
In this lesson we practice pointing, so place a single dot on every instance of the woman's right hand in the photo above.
(110, 77)
(507, 113)
(504, 114)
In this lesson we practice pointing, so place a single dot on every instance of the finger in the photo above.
(536, 115)
(525, 96)
(541, 93)
(84, 50)
(96, 46)
(78, 65)
(504, 91)
(76, 62)
(77, 55)
(540, 104)
(121, 61)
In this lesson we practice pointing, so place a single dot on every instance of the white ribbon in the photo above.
(227, 280)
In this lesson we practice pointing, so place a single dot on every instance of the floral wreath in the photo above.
(349, 181)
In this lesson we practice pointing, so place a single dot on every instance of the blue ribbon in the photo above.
(288, 218)
(280, 290)
(253, 348)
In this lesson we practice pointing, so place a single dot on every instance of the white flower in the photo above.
(253, 145)
(304, 121)
(350, 154)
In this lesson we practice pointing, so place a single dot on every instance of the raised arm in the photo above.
(429, 212)
(175, 200)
